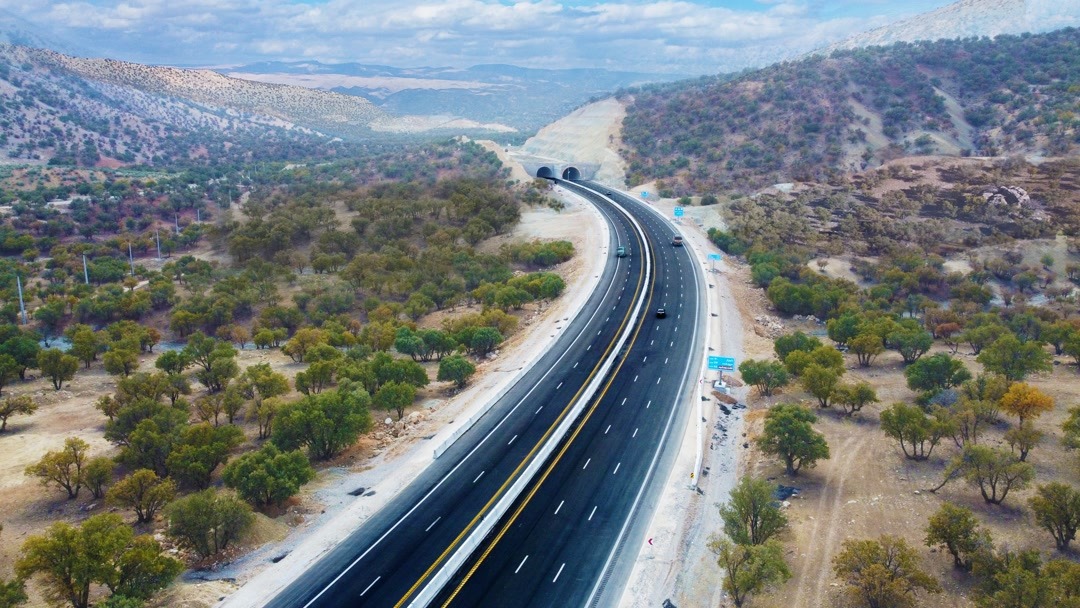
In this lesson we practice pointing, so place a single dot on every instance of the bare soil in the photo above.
(867, 487)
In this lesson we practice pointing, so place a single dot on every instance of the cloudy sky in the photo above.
(676, 36)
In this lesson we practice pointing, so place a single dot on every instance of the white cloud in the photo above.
(685, 36)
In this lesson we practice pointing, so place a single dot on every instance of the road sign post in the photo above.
(679, 212)
(713, 259)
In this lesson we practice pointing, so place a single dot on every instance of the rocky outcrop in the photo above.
(1009, 196)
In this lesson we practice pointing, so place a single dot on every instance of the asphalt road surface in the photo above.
(573, 536)
(388, 559)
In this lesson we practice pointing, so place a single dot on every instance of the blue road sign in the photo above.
(722, 363)
(715, 257)
(644, 194)
(679, 211)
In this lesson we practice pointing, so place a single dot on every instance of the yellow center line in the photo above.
(551, 466)
(528, 457)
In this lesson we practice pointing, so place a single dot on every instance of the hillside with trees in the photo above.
(196, 388)
(814, 119)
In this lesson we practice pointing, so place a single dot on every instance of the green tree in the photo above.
(57, 366)
(143, 492)
(86, 344)
(843, 328)
(1022, 580)
(407, 342)
(981, 336)
(259, 382)
(484, 340)
(24, 349)
(325, 423)
(302, 341)
(438, 343)
(268, 476)
(1057, 508)
(121, 360)
(101, 551)
(318, 376)
(917, 432)
(790, 435)
(821, 382)
(751, 515)
(9, 370)
(767, 376)
(882, 573)
(1014, 359)
(910, 343)
(97, 473)
(798, 341)
(198, 450)
(936, 373)
(172, 362)
(64, 468)
(208, 521)
(853, 397)
(866, 348)
(957, 531)
(12, 593)
(395, 397)
(22, 404)
(220, 367)
(969, 416)
(456, 369)
(149, 444)
(995, 472)
(748, 569)
(823, 356)
(264, 412)
(1023, 438)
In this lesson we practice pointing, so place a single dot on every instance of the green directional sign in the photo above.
(679, 212)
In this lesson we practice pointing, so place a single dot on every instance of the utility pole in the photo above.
(85, 272)
(157, 237)
(131, 259)
(22, 304)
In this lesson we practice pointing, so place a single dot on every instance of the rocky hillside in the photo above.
(62, 110)
(968, 18)
(328, 112)
(808, 120)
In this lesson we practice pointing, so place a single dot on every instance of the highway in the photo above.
(390, 559)
(572, 539)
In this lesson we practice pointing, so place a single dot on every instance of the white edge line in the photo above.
(471, 452)
(652, 466)
(488, 523)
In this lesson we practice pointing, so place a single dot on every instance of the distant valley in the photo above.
(523, 99)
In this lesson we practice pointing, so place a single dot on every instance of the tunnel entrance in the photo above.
(571, 173)
(545, 172)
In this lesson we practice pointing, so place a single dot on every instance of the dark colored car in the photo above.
(660, 313)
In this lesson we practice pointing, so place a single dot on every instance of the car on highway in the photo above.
(676, 240)
(660, 313)
(620, 252)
